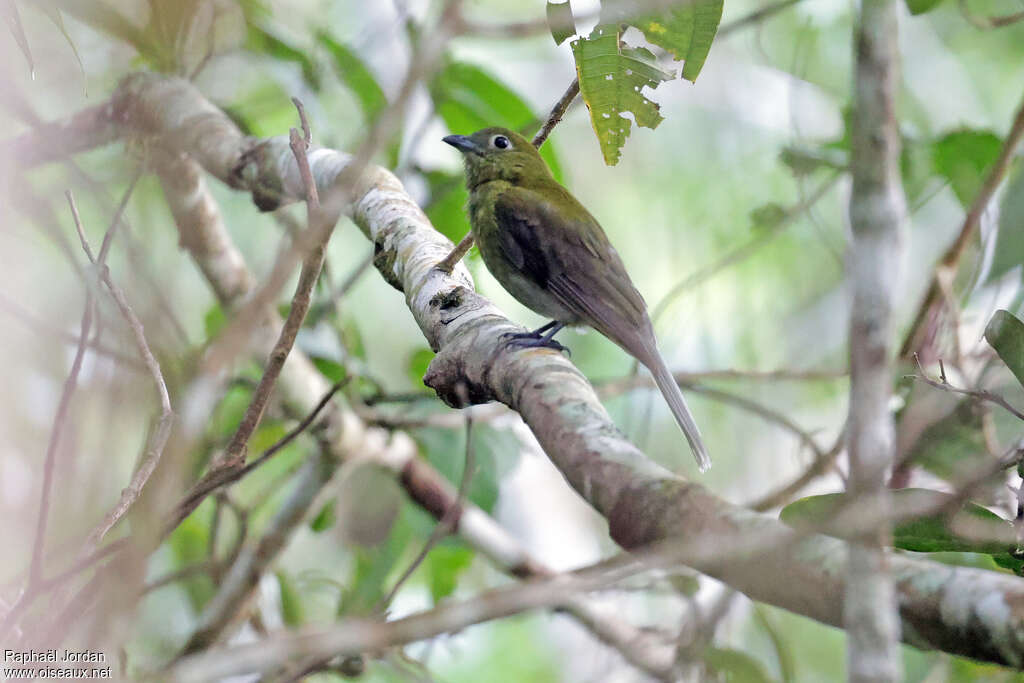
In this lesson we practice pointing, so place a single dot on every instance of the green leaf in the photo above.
(496, 452)
(419, 360)
(963, 157)
(929, 533)
(324, 519)
(445, 564)
(560, 21)
(13, 19)
(686, 31)
(262, 41)
(214, 321)
(734, 666)
(952, 446)
(330, 368)
(1005, 333)
(921, 6)
(1009, 247)
(612, 77)
(357, 76)
(188, 544)
(468, 98)
(292, 612)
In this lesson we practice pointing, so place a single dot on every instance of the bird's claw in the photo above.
(532, 340)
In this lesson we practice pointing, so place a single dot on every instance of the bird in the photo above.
(552, 255)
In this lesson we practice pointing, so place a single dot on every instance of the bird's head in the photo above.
(498, 154)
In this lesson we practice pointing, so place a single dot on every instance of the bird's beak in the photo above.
(463, 143)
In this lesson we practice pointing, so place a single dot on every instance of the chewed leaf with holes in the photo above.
(686, 31)
(612, 78)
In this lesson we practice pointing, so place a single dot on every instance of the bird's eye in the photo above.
(501, 142)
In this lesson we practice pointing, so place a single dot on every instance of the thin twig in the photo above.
(448, 521)
(179, 574)
(307, 135)
(446, 525)
(557, 112)
(457, 253)
(977, 394)
(302, 426)
(754, 17)
(108, 237)
(950, 260)
(611, 387)
(234, 454)
(763, 411)
(817, 468)
(989, 23)
(741, 252)
(49, 463)
(219, 478)
(162, 433)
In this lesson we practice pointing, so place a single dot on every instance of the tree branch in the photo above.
(874, 265)
(946, 269)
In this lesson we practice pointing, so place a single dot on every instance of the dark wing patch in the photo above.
(517, 232)
(580, 268)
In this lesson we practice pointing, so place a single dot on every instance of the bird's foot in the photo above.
(533, 340)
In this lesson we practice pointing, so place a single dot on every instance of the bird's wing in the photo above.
(564, 250)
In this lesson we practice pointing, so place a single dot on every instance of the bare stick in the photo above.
(302, 426)
(950, 261)
(108, 237)
(822, 463)
(447, 523)
(307, 135)
(457, 254)
(988, 23)
(976, 394)
(754, 17)
(235, 453)
(219, 478)
(163, 429)
(744, 250)
(557, 112)
(70, 384)
(463, 247)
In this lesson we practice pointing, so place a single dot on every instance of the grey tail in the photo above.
(674, 397)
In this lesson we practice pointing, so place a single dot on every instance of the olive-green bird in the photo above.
(552, 255)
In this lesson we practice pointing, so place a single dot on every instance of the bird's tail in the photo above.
(670, 390)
